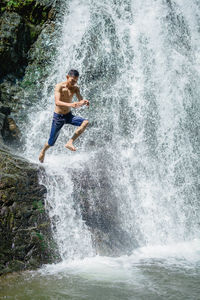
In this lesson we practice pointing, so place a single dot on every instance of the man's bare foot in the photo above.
(70, 146)
(41, 156)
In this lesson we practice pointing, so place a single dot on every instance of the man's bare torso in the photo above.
(66, 95)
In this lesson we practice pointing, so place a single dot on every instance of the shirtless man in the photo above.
(64, 93)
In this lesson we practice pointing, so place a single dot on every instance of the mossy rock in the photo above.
(25, 228)
(33, 11)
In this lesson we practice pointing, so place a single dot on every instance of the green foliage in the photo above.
(27, 84)
(41, 239)
(12, 3)
(15, 4)
(31, 10)
(39, 206)
(43, 244)
(40, 236)
(33, 33)
(19, 3)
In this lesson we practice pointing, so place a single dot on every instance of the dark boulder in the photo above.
(14, 44)
(27, 30)
(9, 131)
(25, 230)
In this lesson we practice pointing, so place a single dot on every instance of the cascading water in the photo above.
(133, 185)
(138, 62)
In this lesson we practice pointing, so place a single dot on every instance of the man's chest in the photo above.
(67, 94)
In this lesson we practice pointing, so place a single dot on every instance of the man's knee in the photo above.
(85, 123)
(50, 143)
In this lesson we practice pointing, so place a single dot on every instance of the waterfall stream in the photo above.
(124, 207)
(139, 67)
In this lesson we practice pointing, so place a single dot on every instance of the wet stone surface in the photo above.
(25, 231)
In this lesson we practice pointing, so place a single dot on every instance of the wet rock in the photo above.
(14, 44)
(5, 110)
(4, 211)
(100, 212)
(2, 119)
(13, 207)
(27, 29)
(9, 96)
(34, 11)
(9, 131)
(25, 230)
(16, 265)
(21, 23)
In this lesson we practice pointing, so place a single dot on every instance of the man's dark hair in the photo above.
(74, 73)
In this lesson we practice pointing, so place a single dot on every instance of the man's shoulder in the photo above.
(60, 83)
(59, 86)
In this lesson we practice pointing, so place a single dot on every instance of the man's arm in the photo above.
(58, 101)
(80, 98)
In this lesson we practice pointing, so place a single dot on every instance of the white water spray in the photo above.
(139, 67)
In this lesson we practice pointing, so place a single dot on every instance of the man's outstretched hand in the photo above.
(75, 104)
(80, 103)
(84, 102)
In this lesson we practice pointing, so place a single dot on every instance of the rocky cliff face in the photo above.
(24, 28)
(25, 230)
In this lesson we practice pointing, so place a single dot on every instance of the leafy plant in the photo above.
(18, 3)
(12, 3)
(38, 205)
(40, 236)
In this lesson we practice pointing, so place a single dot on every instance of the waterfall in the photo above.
(138, 62)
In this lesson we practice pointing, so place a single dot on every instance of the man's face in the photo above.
(72, 80)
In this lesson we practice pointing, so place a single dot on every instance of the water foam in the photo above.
(181, 256)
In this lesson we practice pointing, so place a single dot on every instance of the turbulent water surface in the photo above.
(139, 66)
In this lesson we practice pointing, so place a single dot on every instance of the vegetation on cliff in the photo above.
(27, 30)
(34, 11)
(20, 24)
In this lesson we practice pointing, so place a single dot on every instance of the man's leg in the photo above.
(77, 133)
(42, 153)
(57, 124)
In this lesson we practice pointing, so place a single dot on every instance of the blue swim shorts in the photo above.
(58, 121)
